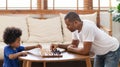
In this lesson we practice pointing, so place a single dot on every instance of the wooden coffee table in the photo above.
(66, 56)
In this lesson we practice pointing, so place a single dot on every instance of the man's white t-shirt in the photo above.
(102, 43)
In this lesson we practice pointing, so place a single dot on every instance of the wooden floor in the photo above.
(58, 64)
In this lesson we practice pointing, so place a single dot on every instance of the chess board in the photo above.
(49, 53)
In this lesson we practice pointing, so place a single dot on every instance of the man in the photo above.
(105, 47)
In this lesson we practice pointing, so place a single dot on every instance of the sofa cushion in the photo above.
(66, 33)
(28, 44)
(48, 30)
(11, 21)
(2, 45)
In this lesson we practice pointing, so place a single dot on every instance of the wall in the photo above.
(105, 20)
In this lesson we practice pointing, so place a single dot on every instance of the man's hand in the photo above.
(53, 46)
(69, 48)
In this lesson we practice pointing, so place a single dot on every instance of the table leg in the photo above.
(44, 64)
(88, 62)
(28, 64)
(24, 64)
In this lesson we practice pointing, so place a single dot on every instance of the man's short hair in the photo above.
(11, 34)
(72, 16)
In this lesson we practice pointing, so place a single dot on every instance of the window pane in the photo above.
(104, 4)
(50, 4)
(2, 4)
(81, 4)
(66, 4)
(34, 4)
(114, 3)
(18, 4)
(63, 4)
(95, 4)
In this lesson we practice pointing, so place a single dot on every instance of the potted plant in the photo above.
(118, 8)
(116, 18)
(116, 13)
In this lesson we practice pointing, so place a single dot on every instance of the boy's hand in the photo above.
(53, 46)
(38, 46)
(23, 53)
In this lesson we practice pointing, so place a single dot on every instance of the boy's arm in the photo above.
(16, 55)
(32, 47)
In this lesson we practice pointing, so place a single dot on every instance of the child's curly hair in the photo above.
(11, 34)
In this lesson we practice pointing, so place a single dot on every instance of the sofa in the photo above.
(39, 31)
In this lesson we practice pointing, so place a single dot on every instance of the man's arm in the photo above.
(64, 46)
(83, 51)
(75, 42)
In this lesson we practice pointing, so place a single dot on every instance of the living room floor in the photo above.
(58, 64)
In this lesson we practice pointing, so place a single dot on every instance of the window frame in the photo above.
(87, 5)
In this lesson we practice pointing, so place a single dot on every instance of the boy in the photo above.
(13, 49)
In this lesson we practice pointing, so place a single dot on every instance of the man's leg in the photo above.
(99, 61)
(112, 59)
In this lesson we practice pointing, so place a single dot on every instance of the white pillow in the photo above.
(91, 17)
(10, 21)
(67, 35)
(48, 30)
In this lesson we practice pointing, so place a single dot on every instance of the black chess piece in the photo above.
(55, 51)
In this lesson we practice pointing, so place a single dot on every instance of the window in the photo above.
(54, 4)
(18, 4)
